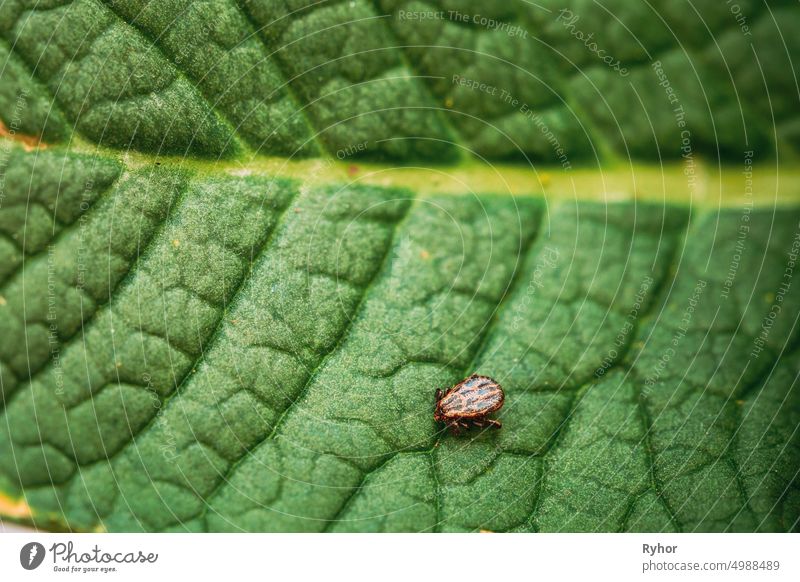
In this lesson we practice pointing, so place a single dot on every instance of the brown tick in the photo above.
(469, 403)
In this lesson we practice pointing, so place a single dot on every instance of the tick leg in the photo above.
(438, 395)
(494, 423)
(455, 430)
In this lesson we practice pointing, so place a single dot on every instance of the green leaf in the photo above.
(222, 310)
(248, 77)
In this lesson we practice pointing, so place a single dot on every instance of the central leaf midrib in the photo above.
(721, 186)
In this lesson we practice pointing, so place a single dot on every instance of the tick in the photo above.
(469, 403)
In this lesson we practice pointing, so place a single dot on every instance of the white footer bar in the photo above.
(446, 557)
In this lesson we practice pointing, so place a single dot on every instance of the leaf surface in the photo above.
(242, 243)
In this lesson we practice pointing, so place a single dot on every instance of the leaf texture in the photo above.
(231, 282)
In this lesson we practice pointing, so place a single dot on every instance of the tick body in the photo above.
(469, 403)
